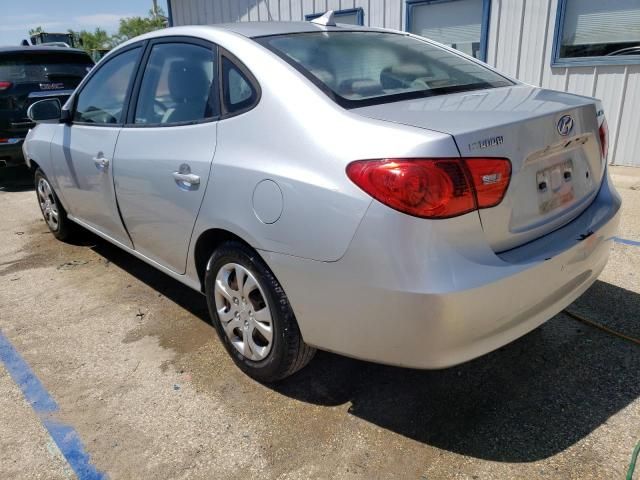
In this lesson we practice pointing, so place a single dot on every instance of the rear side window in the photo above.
(363, 68)
(177, 85)
(101, 101)
(237, 90)
(44, 67)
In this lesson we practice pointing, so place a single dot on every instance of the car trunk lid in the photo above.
(551, 139)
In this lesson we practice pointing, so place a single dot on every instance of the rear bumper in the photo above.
(422, 294)
(11, 154)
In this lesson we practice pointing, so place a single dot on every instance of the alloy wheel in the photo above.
(48, 204)
(243, 311)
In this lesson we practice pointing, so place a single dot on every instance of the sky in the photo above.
(18, 16)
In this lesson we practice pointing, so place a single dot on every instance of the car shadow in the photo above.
(524, 402)
(187, 298)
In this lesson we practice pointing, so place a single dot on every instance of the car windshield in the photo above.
(44, 66)
(364, 68)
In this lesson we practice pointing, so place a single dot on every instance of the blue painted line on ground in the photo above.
(44, 405)
(625, 241)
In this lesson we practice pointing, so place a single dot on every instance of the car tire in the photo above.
(245, 316)
(54, 214)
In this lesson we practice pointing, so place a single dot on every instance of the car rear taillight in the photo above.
(433, 187)
(603, 132)
(5, 85)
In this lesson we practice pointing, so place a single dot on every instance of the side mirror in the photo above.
(45, 111)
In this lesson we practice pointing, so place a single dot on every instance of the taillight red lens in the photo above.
(434, 187)
(603, 132)
(490, 179)
(5, 85)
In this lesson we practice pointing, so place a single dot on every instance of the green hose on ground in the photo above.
(632, 465)
(636, 451)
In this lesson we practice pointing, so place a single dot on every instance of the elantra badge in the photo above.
(565, 125)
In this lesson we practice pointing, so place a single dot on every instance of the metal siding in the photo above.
(296, 10)
(308, 7)
(609, 89)
(520, 42)
(376, 13)
(536, 21)
(628, 137)
(512, 13)
(332, 5)
(581, 81)
(392, 11)
(494, 31)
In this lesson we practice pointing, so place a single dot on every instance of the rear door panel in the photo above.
(163, 156)
(158, 211)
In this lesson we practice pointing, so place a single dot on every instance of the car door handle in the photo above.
(188, 178)
(101, 162)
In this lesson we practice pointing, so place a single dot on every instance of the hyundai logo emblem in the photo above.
(565, 125)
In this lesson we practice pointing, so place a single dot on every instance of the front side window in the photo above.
(363, 68)
(101, 101)
(177, 85)
(460, 24)
(591, 31)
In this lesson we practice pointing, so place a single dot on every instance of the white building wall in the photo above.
(520, 43)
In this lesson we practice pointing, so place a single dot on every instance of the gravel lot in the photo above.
(136, 369)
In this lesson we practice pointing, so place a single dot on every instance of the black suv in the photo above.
(29, 74)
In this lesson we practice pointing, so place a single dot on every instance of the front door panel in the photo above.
(82, 163)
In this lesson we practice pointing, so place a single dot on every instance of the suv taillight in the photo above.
(5, 85)
(603, 132)
(433, 187)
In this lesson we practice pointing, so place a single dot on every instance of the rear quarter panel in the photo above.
(298, 138)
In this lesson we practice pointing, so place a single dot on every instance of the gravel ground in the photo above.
(135, 367)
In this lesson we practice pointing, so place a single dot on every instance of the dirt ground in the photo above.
(131, 359)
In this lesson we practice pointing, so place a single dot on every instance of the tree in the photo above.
(97, 40)
(35, 31)
(133, 26)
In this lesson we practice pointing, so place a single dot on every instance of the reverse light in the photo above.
(5, 85)
(603, 132)
(433, 187)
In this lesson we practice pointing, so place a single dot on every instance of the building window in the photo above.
(460, 24)
(351, 16)
(590, 32)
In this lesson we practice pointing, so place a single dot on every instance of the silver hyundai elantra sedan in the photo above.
(357, 190)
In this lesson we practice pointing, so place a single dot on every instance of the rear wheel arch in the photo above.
(207, 243)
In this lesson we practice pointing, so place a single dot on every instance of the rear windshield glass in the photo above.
(364, 68)
(44, 67)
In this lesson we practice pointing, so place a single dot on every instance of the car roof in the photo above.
(262, 29)
(40, 49)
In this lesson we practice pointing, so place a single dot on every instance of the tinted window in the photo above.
(54, 67)
(177, 85)
(101, 101)
(595, 29)
(358, 68)
(238, 92)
